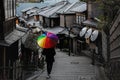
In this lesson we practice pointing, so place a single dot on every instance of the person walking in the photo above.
(49, 53)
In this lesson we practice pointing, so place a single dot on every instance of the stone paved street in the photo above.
(70, 68)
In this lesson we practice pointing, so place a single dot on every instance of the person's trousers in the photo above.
(49, 67)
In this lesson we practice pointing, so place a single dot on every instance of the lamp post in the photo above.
(69, 29)
(69, 41)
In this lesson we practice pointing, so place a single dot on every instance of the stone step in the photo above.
(67, 77)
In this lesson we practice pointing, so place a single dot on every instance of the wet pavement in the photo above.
(69, 68)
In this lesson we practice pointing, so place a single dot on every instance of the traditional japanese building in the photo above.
(29, 1)
(67, 15)
(10, 45)
(112, 69)
(92, 22)
(29, 13)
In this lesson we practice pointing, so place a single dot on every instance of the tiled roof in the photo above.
(80, 8)
(31, 11)
(54, 30)
(12, 37)
(29, 8)
(63, 7)
(68, 9)
(50, 11)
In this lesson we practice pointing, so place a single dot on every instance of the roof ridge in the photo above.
(63, 5)
(57, 8)
(70, 6)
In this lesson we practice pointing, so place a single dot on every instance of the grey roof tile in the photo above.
(80, 8)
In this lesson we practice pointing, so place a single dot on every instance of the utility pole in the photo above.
(68, 29)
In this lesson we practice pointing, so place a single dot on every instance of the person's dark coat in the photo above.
(49, 53)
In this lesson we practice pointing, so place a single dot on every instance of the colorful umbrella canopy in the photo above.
(47, 40)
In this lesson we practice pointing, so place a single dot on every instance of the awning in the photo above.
(12, 37)
(3, 43)
(54, 30)
(75, 30)
(23, 29)
(66, 32)
(90, 23)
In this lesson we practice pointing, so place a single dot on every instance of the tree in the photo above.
(110, 7)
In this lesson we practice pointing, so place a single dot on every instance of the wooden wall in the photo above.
(113, 66)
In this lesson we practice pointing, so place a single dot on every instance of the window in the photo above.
(9, 8)
(80, 18)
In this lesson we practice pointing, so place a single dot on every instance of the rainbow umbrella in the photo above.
(47, 40)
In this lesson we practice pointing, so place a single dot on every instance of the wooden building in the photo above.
(49, 16)
(93, 14)
(112, 68)
(64, 14)
(110, 43)
(29, 13)
(23, 1)
(9, 41)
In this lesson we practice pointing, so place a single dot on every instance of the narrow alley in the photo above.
(69, 68)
